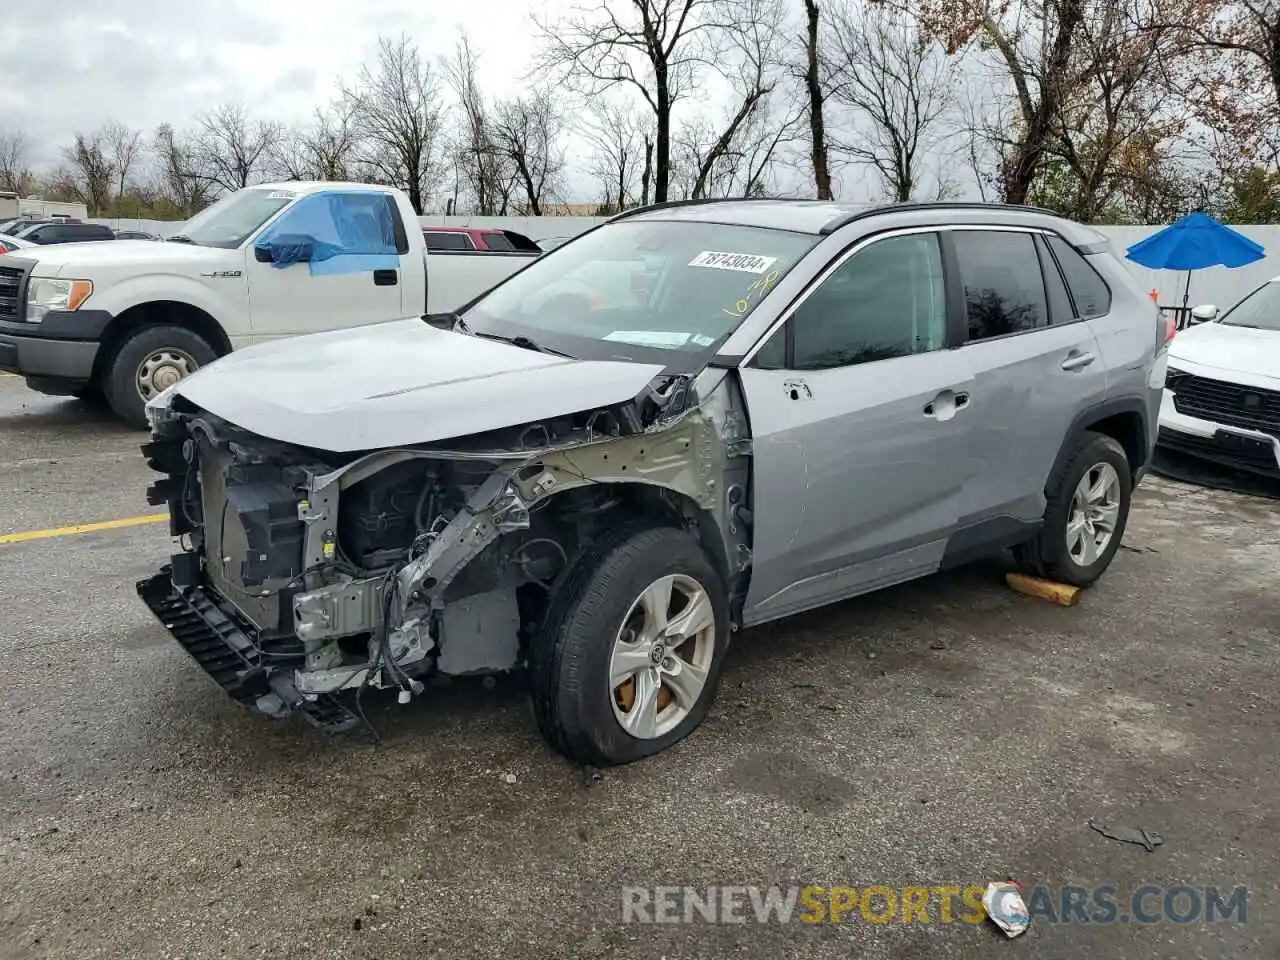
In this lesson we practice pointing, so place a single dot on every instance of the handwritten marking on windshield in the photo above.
(758, 288)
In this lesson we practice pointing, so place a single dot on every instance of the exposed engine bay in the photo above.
(306, 577)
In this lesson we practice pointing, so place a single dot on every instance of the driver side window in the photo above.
(887, 300)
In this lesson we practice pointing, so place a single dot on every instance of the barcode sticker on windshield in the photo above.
(742, 262)
(649, 338)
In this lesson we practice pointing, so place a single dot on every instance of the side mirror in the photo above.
(1204, 313)
(285, 248)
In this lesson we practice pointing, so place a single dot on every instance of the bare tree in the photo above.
(1231, 83)
(479, 160)
(1032, 42)
(526, 133)
(15, 173)
(123, 147)
(324, 149)
(618, 141)
(746, 168)
(231, 149)
(751, 60)
(181, 179)
(399, 114)
(816, 95)
(1114, 130)
(980, 126)
(658, 48)
(898, 86)
(92, 171)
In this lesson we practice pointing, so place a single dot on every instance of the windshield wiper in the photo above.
(179, 238)
(523, 342)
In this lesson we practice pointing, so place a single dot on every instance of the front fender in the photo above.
(154, 287)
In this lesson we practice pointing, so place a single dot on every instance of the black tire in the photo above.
(1048, 555)
(91, 394)
(569, 658)
(119, 376)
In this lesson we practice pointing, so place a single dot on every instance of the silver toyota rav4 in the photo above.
(694, 418)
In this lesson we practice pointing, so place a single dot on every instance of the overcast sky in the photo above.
(68, 65)
(79, 63)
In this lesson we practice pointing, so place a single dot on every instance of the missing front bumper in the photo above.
(229, 655)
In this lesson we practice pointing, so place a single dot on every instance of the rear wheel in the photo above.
(149, 361)
(1085, 514)
(629, 656)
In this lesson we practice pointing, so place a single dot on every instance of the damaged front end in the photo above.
(305, 577)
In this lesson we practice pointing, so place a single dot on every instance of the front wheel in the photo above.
(1085, 514)
(629, 655)
(149, 361)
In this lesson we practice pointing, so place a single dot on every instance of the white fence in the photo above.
(1217, 285)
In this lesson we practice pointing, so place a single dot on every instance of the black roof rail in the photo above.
(847, 219)
(689, 202)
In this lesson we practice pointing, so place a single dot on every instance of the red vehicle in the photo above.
(478, 239)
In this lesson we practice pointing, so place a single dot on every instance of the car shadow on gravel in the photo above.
(64, 415)
(471, 723)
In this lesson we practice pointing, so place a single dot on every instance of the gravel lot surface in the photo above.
(945, 732)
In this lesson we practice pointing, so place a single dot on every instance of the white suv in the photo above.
(1222, 391)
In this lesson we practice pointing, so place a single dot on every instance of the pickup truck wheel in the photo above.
(629, 655)
(91, 394)
(150, 360)
(1085, 514)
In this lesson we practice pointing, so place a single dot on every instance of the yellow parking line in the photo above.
(82, 528)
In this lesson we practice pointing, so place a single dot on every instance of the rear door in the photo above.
(355, 278)
(859, 416)
(1034, 364)
(85, 232)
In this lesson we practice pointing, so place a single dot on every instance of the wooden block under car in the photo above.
(1064, 595)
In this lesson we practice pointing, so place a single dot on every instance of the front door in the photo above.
(1035, 366)
(354, 276)
(859, 420)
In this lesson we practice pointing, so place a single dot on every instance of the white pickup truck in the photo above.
(124, 320)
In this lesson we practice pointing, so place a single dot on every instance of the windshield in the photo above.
(230, 221)
(642, 290)
(1260, 309)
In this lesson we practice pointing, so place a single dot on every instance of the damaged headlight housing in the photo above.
(45, 294)
(158, 404)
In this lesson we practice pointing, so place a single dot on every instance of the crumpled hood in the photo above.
(55, 257)
(1252, 357)
(399, 383)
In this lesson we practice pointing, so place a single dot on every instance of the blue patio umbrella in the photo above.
(1195, 242)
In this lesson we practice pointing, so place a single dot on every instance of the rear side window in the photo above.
(1003, 287)
(1060, 308)
(88, 231)
(448, 241)
(1089, 291)
(498, 241)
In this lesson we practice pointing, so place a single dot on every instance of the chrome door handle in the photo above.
(1077, 361)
